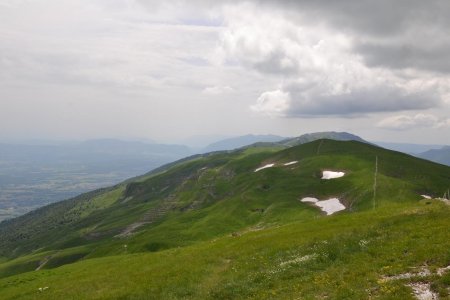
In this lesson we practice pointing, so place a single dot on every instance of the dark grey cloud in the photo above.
(367, 100)
(407, 55)
(393, 34)
(382, 17)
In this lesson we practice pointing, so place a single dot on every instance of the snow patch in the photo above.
(329, 206)
(291, 163)
(426, 196)
(332, 174)
(310, 199)
(265, 167)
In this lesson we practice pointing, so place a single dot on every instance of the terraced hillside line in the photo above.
(44, 261)
(152, 215)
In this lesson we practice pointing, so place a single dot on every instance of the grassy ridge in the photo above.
(340, 257)
(198, 203)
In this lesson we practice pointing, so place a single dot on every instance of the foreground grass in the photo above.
(345, 256)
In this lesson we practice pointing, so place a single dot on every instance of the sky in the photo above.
(170, 70)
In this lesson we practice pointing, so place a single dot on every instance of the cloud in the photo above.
(429, 56)
(405, 122)
(144, 62)
(360, 101)
(116, 44)
(319, 71)
(217, 90)
(273, 103)
(400, 34)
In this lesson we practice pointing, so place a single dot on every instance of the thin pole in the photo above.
(375, 182)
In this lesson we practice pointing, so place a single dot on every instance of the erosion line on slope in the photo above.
(318, 148)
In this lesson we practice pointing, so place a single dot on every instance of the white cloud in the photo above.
(217, 90)
(405, 122)
(118, 44)
(273, 103)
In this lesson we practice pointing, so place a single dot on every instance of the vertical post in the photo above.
(375, 182)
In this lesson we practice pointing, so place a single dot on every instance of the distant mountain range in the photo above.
(441, 155)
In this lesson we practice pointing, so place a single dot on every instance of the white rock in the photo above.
(422, 291)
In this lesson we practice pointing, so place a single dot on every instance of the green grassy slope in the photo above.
(347, 256)
(239, 226)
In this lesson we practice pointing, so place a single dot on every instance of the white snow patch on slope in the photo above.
(329, 206)
(426, 196)
(310, 199)
(291, 163)
(332, 174)
(265, 167)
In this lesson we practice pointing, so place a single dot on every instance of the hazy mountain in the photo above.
(240, 141)
(407, 148)
(441, 155)
(247, 140)
(198, 142)
(332, 135)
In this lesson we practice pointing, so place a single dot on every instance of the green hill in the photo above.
(231, 225)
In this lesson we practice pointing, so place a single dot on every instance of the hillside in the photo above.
(231, 225)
